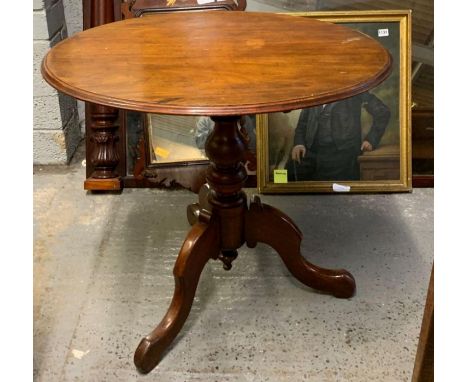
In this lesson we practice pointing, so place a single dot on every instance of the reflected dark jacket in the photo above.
(345, 122)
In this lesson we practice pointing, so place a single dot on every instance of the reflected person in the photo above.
(328, 139)
(205, 126)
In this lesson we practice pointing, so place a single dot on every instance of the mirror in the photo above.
(175, 139)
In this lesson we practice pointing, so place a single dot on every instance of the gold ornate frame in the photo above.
(403, 17)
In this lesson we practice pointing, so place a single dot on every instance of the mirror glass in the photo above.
(174, 138)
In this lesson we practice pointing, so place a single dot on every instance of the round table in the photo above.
(225, 65)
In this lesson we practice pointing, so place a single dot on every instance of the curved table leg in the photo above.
(201, 244)
(270, 226)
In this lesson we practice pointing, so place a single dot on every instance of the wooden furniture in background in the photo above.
(117, 153)
(141, 7)
(424, 363)
(105, 142)
(423, 146)
(114, 162)
(226, 78)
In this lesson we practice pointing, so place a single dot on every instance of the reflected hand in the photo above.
(366, 146)
(298, 153)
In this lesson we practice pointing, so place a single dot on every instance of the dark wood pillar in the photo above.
(104, 141)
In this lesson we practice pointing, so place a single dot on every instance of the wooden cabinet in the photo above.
(423, 147)
(139, 8)
(118, 150)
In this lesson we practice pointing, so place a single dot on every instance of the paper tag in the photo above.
(383, 32)
(205, 1)
(280, 176)
(163, 153)
(79, 354)
(341, 188)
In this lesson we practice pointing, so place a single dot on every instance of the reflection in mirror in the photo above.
(134, 125)
(173, 138)
(181, 139)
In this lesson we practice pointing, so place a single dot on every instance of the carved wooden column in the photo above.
(103, 140)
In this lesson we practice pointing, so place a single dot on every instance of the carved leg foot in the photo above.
(270, 226)
(201, 244)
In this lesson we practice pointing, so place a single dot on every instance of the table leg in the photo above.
(268, 225)
(201, 244)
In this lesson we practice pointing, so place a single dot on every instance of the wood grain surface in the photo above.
(216, 63)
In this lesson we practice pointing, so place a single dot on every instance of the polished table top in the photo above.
(216, 63)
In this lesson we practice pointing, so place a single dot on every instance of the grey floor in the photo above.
(103, 279)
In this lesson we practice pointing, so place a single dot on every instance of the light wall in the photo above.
(56, 131)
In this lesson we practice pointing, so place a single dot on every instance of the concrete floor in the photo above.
(103, 279)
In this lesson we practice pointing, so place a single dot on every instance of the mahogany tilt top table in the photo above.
(225, 65)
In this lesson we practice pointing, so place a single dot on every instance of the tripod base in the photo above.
(263, 223)
(222, 222)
